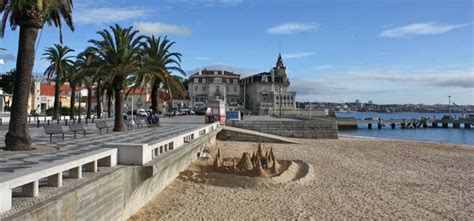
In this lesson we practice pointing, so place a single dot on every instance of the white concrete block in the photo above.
(30, 189)
(56, 180)
(6, 199)
(91, 167)
(76, 172)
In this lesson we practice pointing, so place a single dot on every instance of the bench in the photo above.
(54, 129)
(102, 124)
(129, 124)
(140, 123)
(76, 128)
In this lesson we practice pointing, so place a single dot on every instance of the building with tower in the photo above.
(268, 93)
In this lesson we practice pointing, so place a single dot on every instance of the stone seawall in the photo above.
(313, 129)
(120, 193)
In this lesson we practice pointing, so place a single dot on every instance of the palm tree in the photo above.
(74, 78)
(173, 83)
(158, 62)
(120, 51)
(60, 64)
(29, 15)
(89, 69)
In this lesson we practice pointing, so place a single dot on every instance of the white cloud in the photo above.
(161, 28)
(292, 28)
(458, 79)
(202, 58)
(7, 57)
(323, 67)
(298, 55)
(237, 70)
(208, 3)
(420, 29)
(313, 86)
(99, 14)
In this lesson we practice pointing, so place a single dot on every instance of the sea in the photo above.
(434, 135)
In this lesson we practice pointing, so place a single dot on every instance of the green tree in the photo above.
(158, 61)
(75, 81)
(88, 65)
(119, 49)
(61, 64)
(8, 79)
(29, 16)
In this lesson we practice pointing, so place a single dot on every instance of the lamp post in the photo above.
(449, 107)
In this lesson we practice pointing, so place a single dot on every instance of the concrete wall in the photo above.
(120, 193)
(314, 128)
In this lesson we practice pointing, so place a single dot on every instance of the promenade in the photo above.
(16, 168)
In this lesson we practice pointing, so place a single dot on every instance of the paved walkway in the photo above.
(15, 162)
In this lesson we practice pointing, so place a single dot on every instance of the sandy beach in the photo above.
(350, 178)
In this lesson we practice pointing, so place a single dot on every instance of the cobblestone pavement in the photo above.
(70, 147)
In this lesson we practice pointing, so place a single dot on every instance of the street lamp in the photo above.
(449, 106)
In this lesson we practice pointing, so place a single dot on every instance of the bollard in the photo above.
(38, 123)
(29, 119)
(425, 125)
(379, 126)
(1, 121)
(87, 121)
(369, 125)
(73, 120)
(392, 125)
(48, 122)
(467, 125)
(403, 125)
(456, 125)
(444, 125)
(93, 119)
(65, 122)
(58, 121)
(434, 125)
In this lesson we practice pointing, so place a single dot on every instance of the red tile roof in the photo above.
(47, 90)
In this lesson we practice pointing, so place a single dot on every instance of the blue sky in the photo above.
(393, 51)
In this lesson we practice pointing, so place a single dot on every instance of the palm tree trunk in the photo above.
(56, 98)
(109, 103)
(119, 103)
(18, 136)
(73, 103)
(155, 96)
(89, 102)
(98, 107)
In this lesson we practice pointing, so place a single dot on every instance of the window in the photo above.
(218, 80)
(235, 88)
(226, 88)
(228, 81)
(218, 89)
(236, 81)
(204, 88)
(196, 80)
(216, 72)
(196, 88)
(203, 80)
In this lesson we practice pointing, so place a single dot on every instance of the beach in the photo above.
(349, 178)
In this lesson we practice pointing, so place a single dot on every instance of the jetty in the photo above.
(352, 123)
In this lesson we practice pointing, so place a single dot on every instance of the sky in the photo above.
(386, 51)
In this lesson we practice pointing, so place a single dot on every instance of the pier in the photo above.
(418, 123)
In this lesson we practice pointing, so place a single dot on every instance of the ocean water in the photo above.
(435, 135)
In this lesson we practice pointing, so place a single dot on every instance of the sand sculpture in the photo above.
(257, 165)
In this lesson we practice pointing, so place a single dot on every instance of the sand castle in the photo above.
(257, 165)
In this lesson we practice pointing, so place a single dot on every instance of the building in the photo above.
(208, 85)
(268, 92)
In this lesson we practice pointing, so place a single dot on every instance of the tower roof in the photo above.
(279, 63)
